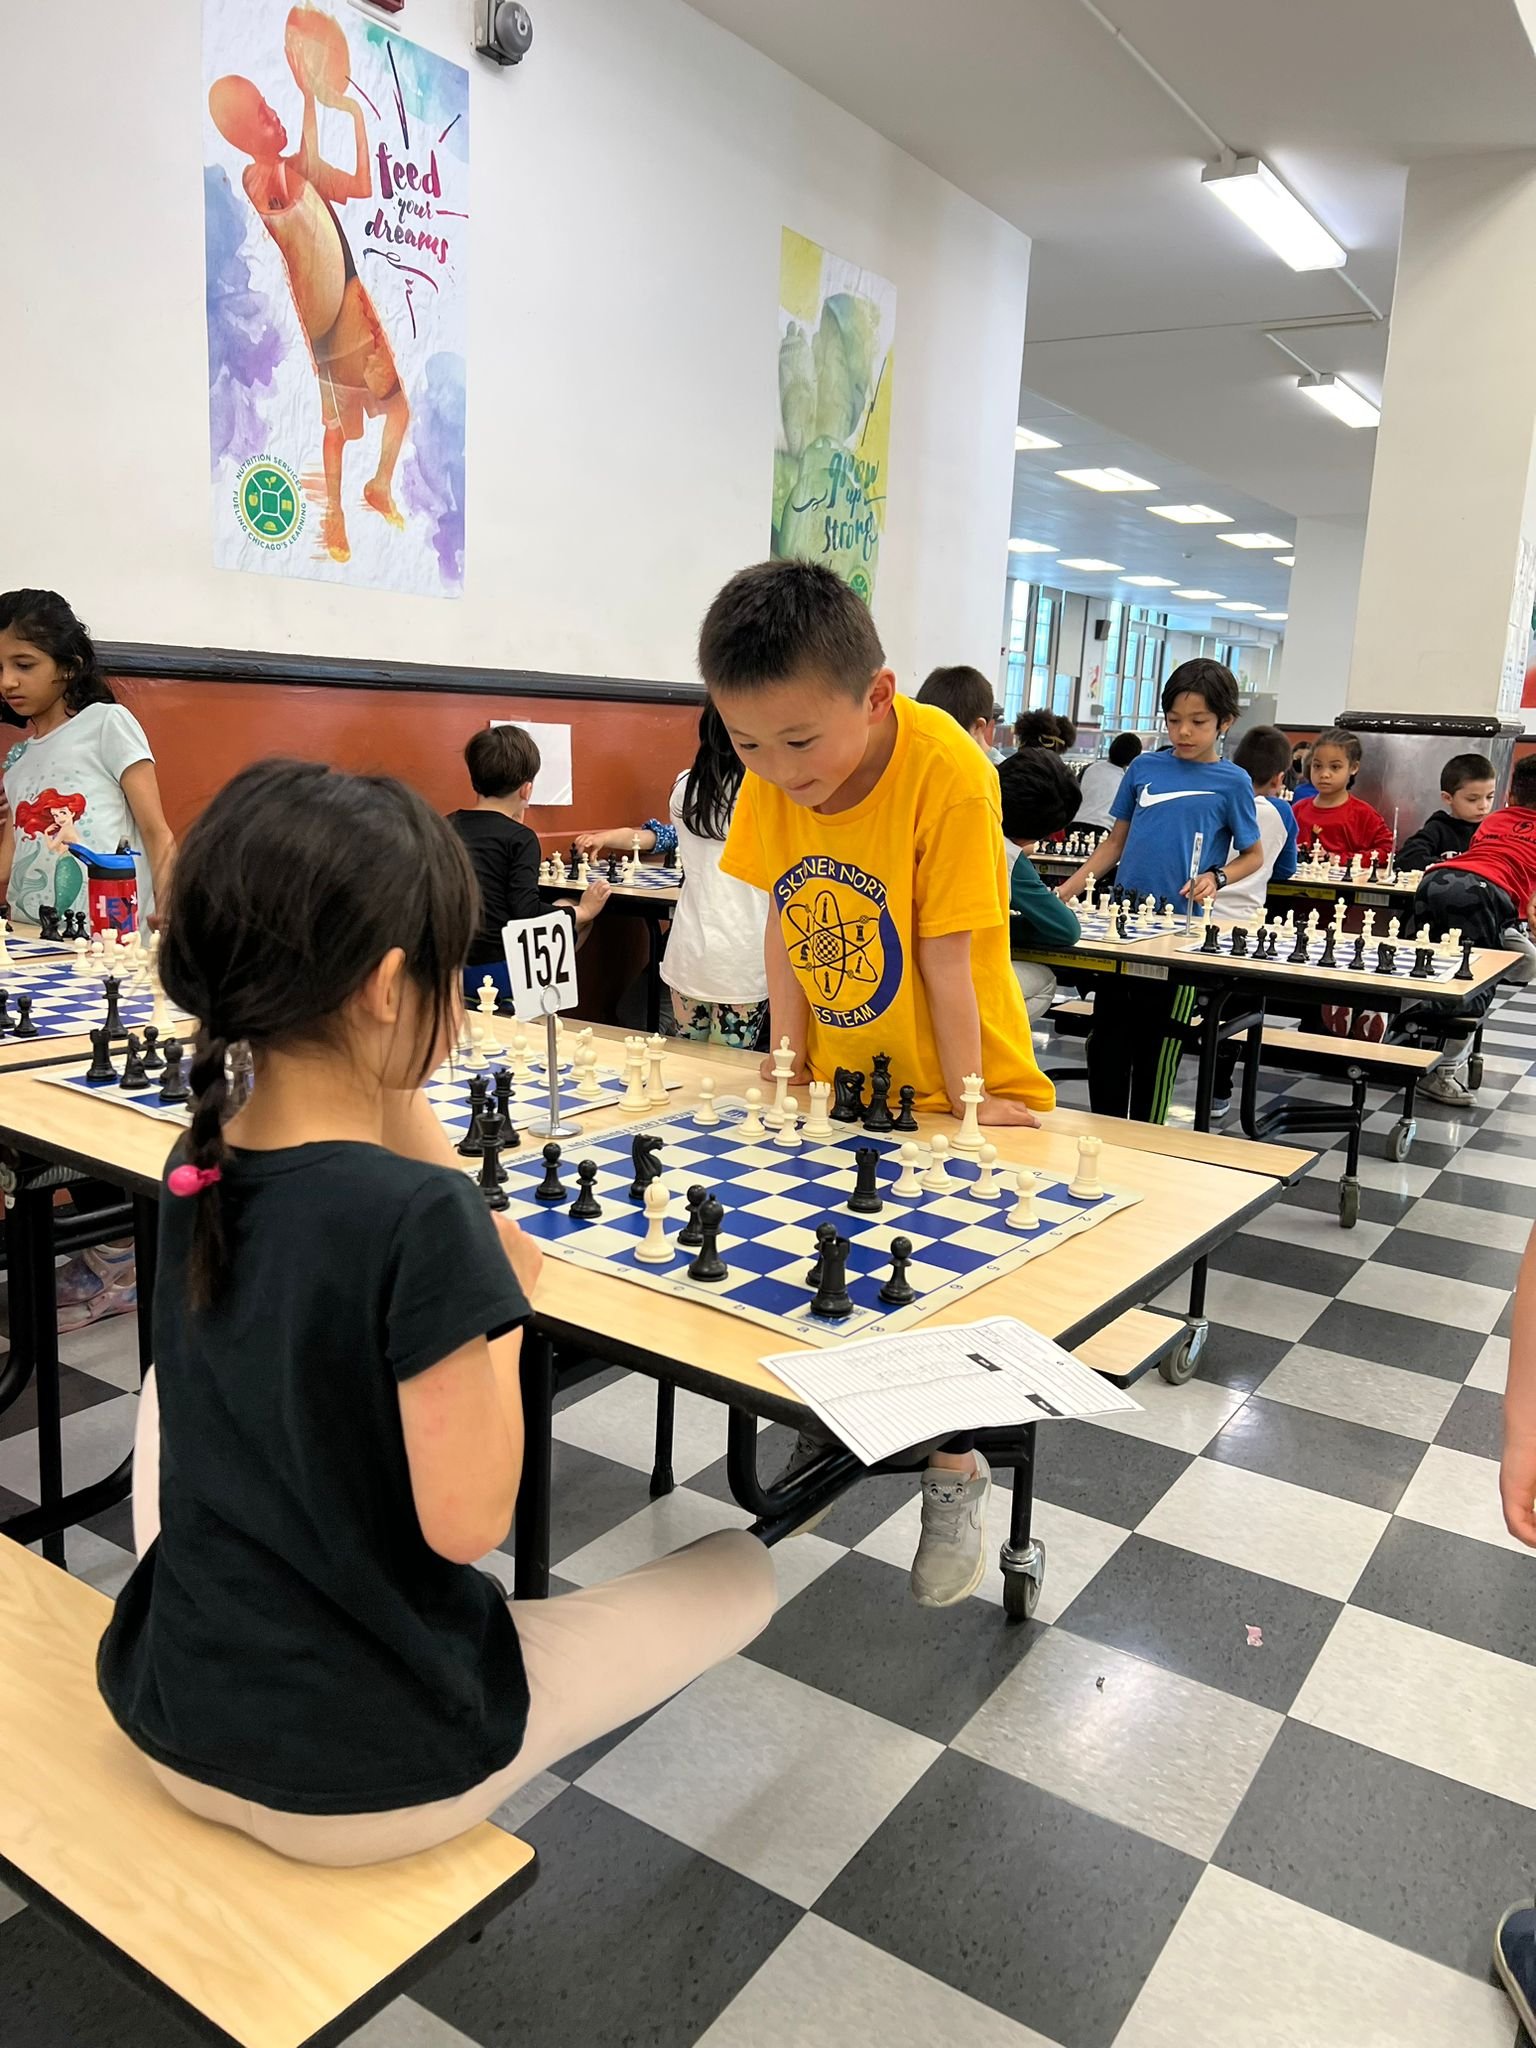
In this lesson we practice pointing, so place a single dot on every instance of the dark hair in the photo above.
(1124, 748)
(709, 795)
(500, 759)
(779, 620)
(1041, 795)
(1037, 729)
(1205, 679)
(1522, 784)
(1463, 768)
(43, 619)
(1067, 727)
(964, 693)
(287, 892)
(1262, 753)
(1346, 743)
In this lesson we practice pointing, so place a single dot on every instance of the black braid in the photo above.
(206, 1148)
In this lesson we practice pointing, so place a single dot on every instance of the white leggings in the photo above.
(594, 1659)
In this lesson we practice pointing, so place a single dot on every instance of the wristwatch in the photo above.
(1221, 877)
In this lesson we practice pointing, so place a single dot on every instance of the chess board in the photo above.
(65, 1003)
(773, 1201)
(1442, 968)
(1336, 873)
(652, 876)
(1100, 924)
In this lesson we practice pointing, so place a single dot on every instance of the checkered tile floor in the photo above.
(1123, 1826)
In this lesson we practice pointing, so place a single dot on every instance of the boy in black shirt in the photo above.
(504, 852)
(1466, 786)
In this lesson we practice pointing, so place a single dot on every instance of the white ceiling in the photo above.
(1147, 300)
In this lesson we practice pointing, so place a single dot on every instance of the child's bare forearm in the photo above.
(788, 1011)
(945, 966)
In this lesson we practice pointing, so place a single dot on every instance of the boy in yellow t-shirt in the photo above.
(874, 824)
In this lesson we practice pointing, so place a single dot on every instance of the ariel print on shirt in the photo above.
(35, 858)
(841, 939)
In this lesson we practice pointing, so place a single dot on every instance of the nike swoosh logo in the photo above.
(1168, 796)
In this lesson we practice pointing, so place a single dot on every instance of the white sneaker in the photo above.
(951, 1554)
(1516, 939)
(1448, 1084)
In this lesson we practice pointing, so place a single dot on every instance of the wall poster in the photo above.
(336, 213)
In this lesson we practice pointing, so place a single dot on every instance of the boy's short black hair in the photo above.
(1041, 795)
(1262, 753)
(500, 759)
(1464, 768)
(1522, 784)
(779, 620)
(1037, 729)
(1207, 679)
(964, 693)
(1124, 748)
(1346, 743)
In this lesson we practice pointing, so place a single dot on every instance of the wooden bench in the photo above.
(248, 1949)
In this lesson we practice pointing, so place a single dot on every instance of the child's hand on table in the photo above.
(798, 1079)
(1201, 890)
(996, 1111)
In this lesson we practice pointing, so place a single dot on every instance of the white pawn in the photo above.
(937, 1179)
(517, 1053)
(656, 1087)
(588, 1087)
(787, 1137)
(909, 1181)
(984, 1186)
(1086, 1187)
(818, 1124)
(752, 1125)
(82, 952)
(706, 1116)
(1023, 1215)
(1394, 928)
(656, 1249)
(968, 1138)
(545, 876)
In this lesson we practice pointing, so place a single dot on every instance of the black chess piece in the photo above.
(173, 1082)
(843, 1110)
(690, 1237)
(646, 1153)
(153, 1061)
(549, 1188)
(825, 1232)
(1238, 948)
(101, 1069)
(79, 928)
(1386, 957)
(1357, 958)
(25, 1028)
(878, 1115)
(1423, 964)
(865, 1199)
(907, 1120)
(1374, 874)
(1464, 971)
(1298, 953)
(492, 1173)
(1122, 929)
(575, 862)
(1326, 957)
(112, 988)
(1211, 943)
(134, 1077)
(831, 1301)
(613, 867)
(488, 1137)
(509, 1134)
(7, 1021)
(48, 921)
(586, 1208)
(469, 1145)
(707, 1264)
(898, 1290)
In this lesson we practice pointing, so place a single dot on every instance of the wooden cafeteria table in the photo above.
(1196, 1190)
(1300, 888)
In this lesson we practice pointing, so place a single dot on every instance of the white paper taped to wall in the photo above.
(552, 784)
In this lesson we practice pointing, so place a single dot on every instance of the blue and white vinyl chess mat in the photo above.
(66, 1003)
(651, 876)
(1442, 965)
(1100, 924)
(773, 1200)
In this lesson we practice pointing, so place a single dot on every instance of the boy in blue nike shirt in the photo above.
(1162, 802)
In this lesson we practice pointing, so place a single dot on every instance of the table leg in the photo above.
(1023, 1556)
(30, 1227)
(662, 1480)
(530, 1542)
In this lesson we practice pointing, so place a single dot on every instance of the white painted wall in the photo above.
(630, 183)
(1320, 632)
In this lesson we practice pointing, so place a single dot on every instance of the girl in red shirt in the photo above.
(1345, 824)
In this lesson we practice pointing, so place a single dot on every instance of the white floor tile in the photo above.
(1518, 1123)
(1455, 1491)
(109, 1350)
(683, 1516)
(405, 2024)
(1312, 1540)
(775, 1780)
(1285, 1224)
(1381, 1174)
(96, 1440)
(1125, 1739)
(1246, 1968)
(1491, 1367)
(1434, 1124)
(99, 1563)
(1263, 1307)
(1428, 1700)
(619, 1422)
(10, 1905)
(1077, 1548)
(515, 1813)
(824, 1986)
(1509, 1167)
(1497, 1063)
(1466, 1225)
(1358, 1390)
(1185, 1418)
(1460, 1304)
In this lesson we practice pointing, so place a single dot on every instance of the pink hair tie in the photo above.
(191, 1180)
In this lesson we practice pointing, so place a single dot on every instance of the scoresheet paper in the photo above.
(887, 1395)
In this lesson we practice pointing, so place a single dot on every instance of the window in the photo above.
(1044, 650)
(1018, 641)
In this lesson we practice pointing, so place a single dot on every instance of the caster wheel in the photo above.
(1349, 1204)
(1475, 1071)
(1021, 1596)
(1400, 1142)
(1179, 1365)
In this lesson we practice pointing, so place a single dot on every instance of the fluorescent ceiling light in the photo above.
(1106, 479)
(1192, 515)
(1092, 565)
(1341, 399)
(1250, 189)
(1026, 437)
(1030, 547)
(1278, 617)
(1200, 596)
(1242, 607)
(1252, 540)
(1151, 582)
(1286, 561)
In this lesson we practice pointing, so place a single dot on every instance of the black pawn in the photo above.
(831, 1300)
(825, 1232)
(1386, 958)
(25, 1028)
(1212, 940)
(549, 1188)
(173, 1082)
(1423, 964)
(153, 1061)
(1357, 958)
(134, 1076)
(469, 1144)
(7, 1021)
(1326, 957)
(488, 1140)
(1239, 943)
(101, 1067)
(113, 988)
(878, 1115)
(508, 1130)
(865, 1199)
(646, 1153)
(491, 1172)
(907, 1121)
(898, 1290)
(1464, 971)
(586, 1208)
(690, 1237)
(708, 1264)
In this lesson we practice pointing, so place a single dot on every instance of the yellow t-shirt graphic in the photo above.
(919, 858)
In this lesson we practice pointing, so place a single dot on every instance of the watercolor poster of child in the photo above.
(336, 217)
(836, 343)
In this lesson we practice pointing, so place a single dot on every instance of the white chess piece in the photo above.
(518, 1055)
(656, 1087)
(81, 949)
(1023, 1215)
(556, 868)
(1086, 1187)
(706, 1116)
(588, 1087)
(656, 1249)
(818, 1124)
(985, 1186)
(471, 1058)
(1394, 928)
(583, 872)
(787, 1136)
(783, 1069)
(752, 1125)
(545, 877)
(1452, 943)
(490, 1036)
(1368, 929)
(634, 1096)
(937, 1180)
(909, 1181)
(968, 1138)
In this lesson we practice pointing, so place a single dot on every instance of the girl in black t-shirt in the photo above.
(333, 1431)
